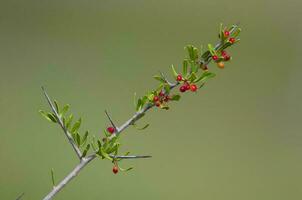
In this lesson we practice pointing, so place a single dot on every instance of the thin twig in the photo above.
(60, 121)
(111, 121)
(129, 157)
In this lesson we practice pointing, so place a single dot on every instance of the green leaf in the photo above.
(86, 150)
(212, 50)
(192, 77)
(205, 76)
(57, 106)
(150, 97)
(52, 177)
(52, 117)
(139, 104)
(175, 74)
(78, 139)
(76, 126)
(143, 128)
(159, 78)
(68, 121)
(167, 88)
(45, 115)
(185, 64)
(65, 109)
(125, 170)
(85, 138)
(190, 50)
(175, 97)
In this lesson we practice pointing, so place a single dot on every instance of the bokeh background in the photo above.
(239, 138)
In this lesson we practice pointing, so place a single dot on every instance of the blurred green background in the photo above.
(238, 139)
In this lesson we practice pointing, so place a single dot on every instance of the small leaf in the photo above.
(159, 78)
(86, 150)
(167, 88)
(76, 126)
(78, 139)
(57, 106)
(85, 138)
(212, 50)
(139, 104)
(185, 64)
(190, 51)
(52, 177)
(65, 109)
(143, 128)
(175, 74)
(125, 170)
(52, 117)
(192, 77)
(68, 121)
(44, 114)
(175, 97)
(205, 76)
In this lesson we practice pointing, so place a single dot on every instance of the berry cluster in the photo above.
(161, 98)
(186, 85)
(223, 56)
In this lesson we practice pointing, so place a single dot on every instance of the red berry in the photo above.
(215, 57)
(224, 53)
(156, 98)
(179, 78)
(193, 88)
(226, 57)
(115, 169)
(183, 88)
(187, 85)
(111, 129)
(232, 40)
(161, 93)
(157, 104)
(226, 33)
(167, 98)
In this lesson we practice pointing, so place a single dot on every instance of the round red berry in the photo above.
(183, 88)
(155, 98)
(157, 104)
(161, 94)
(226, 57)
(167, 98)
(187, 86)
(193, 88)
(111, 129)
(215, 57)
(224, 53)
(226, 33)
(179, 78)
(232, 40)
(115, 169)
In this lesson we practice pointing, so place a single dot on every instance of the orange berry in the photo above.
(220, 65)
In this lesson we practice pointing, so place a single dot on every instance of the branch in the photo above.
(129, 157)
(204, 59)
(60, 122)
